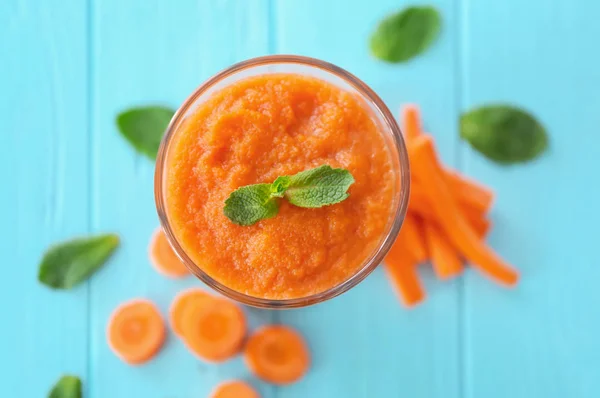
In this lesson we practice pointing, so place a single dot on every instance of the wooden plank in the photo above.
(153, 52)
(364, 343)
(44, 170)
(542, 338)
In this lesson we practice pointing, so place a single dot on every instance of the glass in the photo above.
(325, 71)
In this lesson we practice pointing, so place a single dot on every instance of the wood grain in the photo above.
(44, 195)
(364, 342)
(540, 339)
(152, 52)
(67, 68)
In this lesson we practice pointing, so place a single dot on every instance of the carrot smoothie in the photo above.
(253, 131)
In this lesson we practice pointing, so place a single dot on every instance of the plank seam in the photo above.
(90, 175)
(461, 77)
(272, 48)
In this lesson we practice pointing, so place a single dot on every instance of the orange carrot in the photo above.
(163, 258)
(419, 204)
(402, 259)
(414, 238)
(469, 197)
(136, 331)
(402, 270)
(214, 330)
(445, 259)
(182, 302)
(412, 121)
(277, 354)
(234, 389)
(479, 223)
(453, 223)
(470, 193)
(467, 191)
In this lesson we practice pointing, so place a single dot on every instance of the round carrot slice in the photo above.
(214, 330)
(182, 302)
(277, 354)
(136, 331)
(234, 389)
(163, 258)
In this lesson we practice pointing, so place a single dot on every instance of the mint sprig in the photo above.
(318, 187)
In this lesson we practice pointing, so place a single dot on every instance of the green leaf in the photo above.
(405, 34)
(279, 186)
(67, 387)
(319, 187)
(69, 263)
(144, 127)
(250, 204)
(504, 133)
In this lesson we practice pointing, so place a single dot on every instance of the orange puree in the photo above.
(258, 129)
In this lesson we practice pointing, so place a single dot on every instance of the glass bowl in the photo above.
(325, 71)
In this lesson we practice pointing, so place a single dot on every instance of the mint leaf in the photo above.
(504, 133)
(250, 204)
(319, 187)
(69, 263)
(67, 387)
(144, 127)
(405, 34)
(279, 186)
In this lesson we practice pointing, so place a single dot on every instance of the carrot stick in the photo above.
(277, 354)
(136, 331)
(445, 259)
(480, 225)
(402, 271)
(405, 280)
(452, 222)
(474, 199)
(419, 204)
(470, 193)
(234, 389)
(411, 122)
(414, 238)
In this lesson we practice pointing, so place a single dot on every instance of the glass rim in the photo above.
(392, 229)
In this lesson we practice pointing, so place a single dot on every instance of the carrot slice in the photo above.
(445, 259)
(214, 330)
(182, 302)
(402, 270)
(277, 354)
(163, 258)
(414, 239)
(136, 331)
(463, 237)
(412, 121)
(234, 389)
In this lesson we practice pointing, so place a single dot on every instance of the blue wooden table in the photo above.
(67, 68)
